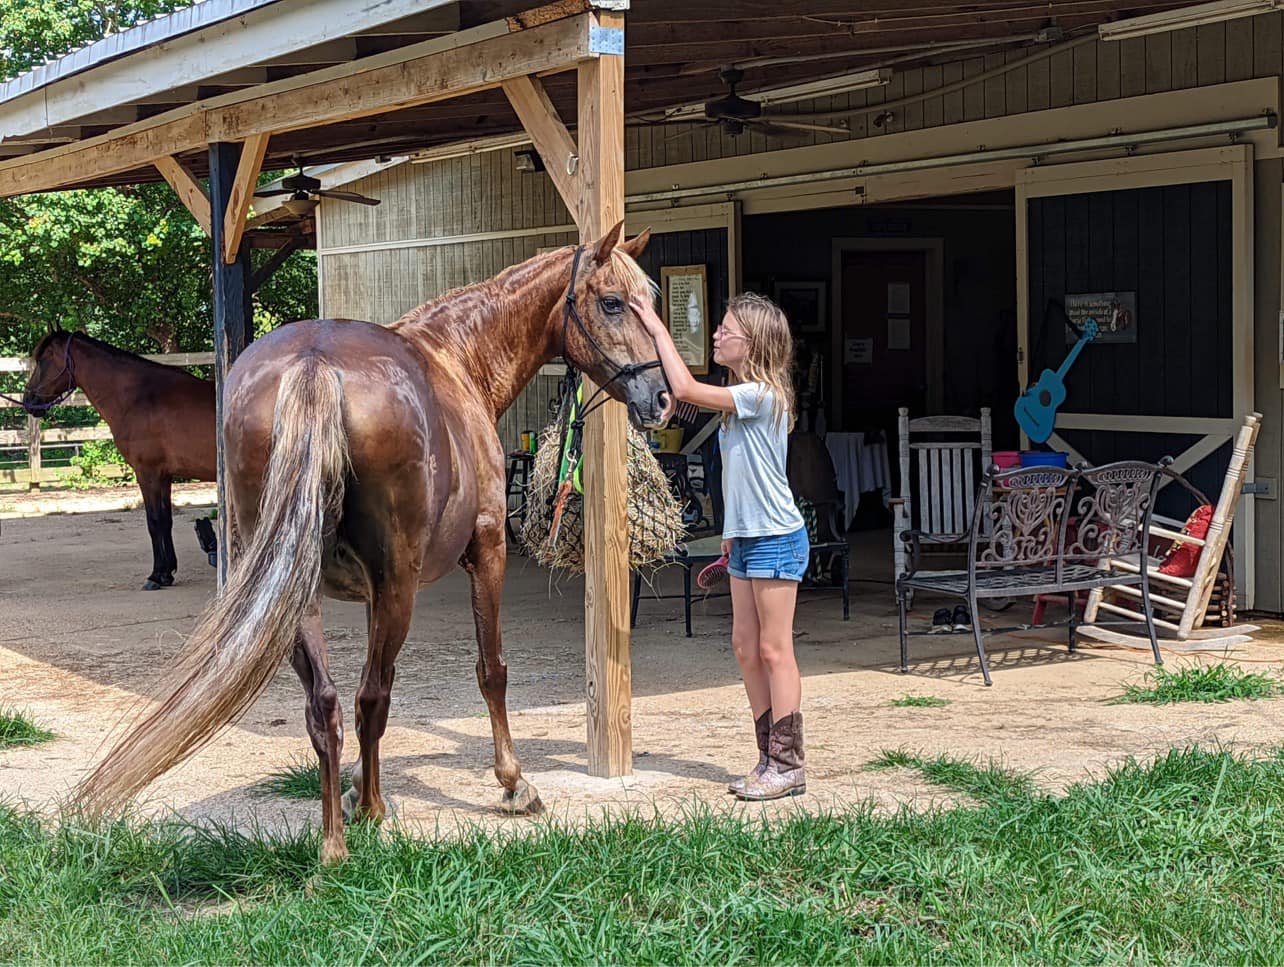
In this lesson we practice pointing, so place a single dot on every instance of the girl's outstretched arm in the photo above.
(685, 386)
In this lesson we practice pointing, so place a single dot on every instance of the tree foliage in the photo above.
(130, 266)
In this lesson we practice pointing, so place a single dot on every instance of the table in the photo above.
(860, 464)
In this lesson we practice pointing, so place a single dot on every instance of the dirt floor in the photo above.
(80, 643)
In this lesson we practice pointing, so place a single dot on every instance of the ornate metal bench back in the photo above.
(1020, 519)
(1112, 511)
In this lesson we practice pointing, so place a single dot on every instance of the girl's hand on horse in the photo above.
(646, 312)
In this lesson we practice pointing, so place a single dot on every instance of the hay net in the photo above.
(655, 516)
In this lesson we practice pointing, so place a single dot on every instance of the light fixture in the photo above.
(1196, 16)
(528, 160)
(300, 203)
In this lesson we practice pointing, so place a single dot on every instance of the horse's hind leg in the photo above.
(391, 607)
(160, 522)
(324, 719)
(485, 562)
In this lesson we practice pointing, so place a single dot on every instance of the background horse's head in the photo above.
(604, 338)
(53, 375)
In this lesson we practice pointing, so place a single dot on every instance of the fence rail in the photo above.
(34, 438)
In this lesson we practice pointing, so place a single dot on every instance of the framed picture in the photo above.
(804, 304)
(686, 312)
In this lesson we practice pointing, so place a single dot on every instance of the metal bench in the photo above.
(1046, 530)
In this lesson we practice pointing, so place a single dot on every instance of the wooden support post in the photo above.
(231, 309)
(608, 677)
(190, 191)
(33, 450)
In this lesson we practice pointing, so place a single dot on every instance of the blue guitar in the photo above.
(1036, 409)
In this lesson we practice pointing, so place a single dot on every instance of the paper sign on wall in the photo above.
(858, 352)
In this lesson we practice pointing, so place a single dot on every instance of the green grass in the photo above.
(17, 729)
(1179, 860)
(989, 783)
(1201, 683)
(300, 780)
(920, 701)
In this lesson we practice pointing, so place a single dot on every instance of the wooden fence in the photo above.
(34, 438)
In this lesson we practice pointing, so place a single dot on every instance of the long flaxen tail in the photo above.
(239, 642)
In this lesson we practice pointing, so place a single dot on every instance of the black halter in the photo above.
(575, 427)
(68, 367)
(622, 371)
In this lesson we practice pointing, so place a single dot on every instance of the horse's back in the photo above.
(398, 435)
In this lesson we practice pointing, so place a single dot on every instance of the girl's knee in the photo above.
(776, 653)
(746, 648)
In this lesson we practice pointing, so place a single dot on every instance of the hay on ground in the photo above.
(655, 516)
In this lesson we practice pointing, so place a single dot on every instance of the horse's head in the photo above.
(603, 337)
(53, 376)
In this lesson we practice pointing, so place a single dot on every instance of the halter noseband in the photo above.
(69, 368)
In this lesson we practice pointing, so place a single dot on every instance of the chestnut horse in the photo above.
(161, 419)
(363, 463)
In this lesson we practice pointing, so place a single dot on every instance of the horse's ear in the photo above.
(52, 327)
(606, 244)
(636, 245)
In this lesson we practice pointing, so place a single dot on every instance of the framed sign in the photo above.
(1114, 312)
(804, 304)
(686, 312)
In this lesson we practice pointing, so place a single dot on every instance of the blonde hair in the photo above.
(771, 351)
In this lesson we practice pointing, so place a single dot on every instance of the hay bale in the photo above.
(655, 516)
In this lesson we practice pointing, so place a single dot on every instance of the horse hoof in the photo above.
(151, 585)
(333, 853)
(522, 801)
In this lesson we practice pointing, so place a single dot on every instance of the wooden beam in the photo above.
(277, 260)
(554, 143)
(190, 191)
(238, 203)
(435, 70)
(608, 676)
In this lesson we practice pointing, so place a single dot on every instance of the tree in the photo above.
(130, 266)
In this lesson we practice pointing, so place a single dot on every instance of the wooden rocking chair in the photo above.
(1185, 600)
(950, 454)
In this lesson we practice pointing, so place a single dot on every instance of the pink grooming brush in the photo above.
(715, 573)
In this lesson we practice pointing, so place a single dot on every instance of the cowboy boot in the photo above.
(784, 775)
(762, 729)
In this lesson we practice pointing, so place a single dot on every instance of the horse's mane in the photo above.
(632, 278)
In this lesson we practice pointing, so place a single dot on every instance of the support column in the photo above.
(232, 311)
(608, 677)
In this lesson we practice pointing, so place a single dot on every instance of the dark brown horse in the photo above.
(161, 419)
(363, 462)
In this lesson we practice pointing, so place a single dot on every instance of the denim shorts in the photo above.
(780, 557)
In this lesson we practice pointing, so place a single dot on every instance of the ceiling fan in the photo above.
(736, 114)
(304, 191)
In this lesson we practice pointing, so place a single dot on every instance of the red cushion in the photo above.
(1182, 557)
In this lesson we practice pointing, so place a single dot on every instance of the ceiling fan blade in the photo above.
(346, 196)
(783, 128)
(273, 193)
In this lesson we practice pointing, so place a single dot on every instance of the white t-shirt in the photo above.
(755, 491)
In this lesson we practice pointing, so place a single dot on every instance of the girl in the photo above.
(763, 536)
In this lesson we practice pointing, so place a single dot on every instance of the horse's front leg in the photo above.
(156, 503)
(485, 561)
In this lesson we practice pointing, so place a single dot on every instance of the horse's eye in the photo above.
(611, 305)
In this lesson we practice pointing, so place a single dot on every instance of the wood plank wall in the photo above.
(439, 202)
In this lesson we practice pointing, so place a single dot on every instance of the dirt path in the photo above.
(79, 644)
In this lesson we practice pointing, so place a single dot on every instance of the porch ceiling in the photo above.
(674, 51)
